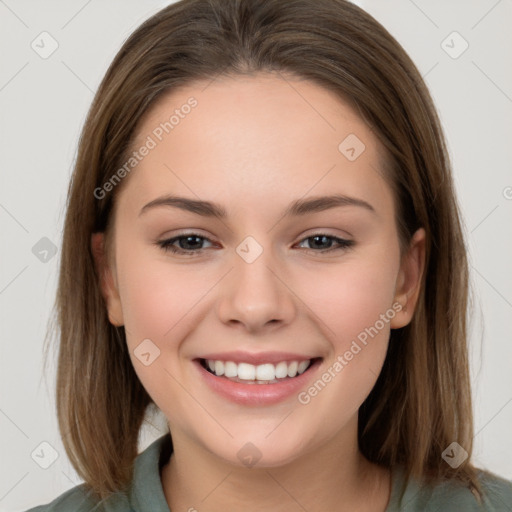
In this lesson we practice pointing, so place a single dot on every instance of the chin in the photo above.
(258, 451)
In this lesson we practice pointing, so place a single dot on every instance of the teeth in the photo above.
(281, 370)
(219, 368)
(265, 372)
(262, 372)
(292, 369)
(246, 371)
(302, 366)
(230, 369)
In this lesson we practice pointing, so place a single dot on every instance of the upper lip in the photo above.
(256, 358)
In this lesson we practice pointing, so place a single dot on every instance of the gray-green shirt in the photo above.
(146, 493)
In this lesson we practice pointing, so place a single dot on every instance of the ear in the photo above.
(408, 285)
(108, 281)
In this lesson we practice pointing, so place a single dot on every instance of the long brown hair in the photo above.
(421, 402)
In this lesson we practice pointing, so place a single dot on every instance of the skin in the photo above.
(253, 145)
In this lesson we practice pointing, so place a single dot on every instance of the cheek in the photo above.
(156, 300)
(350, 297)
(161, 303)
(155, 295)
(354, 303)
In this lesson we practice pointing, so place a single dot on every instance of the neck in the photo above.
(333, 476)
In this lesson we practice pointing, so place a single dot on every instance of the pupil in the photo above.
(323, 237)
(187, 239)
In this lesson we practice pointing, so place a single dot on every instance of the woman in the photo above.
(262, 240)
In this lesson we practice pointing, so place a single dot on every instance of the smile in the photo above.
(261, 384)
(247, 373)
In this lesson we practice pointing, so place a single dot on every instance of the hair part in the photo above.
(421, 401)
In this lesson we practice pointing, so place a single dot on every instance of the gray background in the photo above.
(43, 104)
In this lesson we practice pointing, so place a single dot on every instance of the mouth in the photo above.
(266, 373)
(261, 384)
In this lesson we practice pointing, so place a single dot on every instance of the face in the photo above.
(267, 275)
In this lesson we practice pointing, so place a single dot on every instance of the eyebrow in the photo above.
(296, 208)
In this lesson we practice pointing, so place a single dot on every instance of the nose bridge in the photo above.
(255, 296)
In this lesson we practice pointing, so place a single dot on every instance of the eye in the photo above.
(324, 242)
(189, 244)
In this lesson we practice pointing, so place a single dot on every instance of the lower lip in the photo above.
(257, 394)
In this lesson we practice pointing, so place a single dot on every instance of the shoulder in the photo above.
(497, 492)
(450, 495)
(497, 495)
(145, 490)
(79, 499)
(76, 499)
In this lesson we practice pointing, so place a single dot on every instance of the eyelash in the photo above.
(166, 245)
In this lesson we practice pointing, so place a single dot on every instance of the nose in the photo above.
(255, 295)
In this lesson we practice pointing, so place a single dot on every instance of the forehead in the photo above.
(263, 136)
